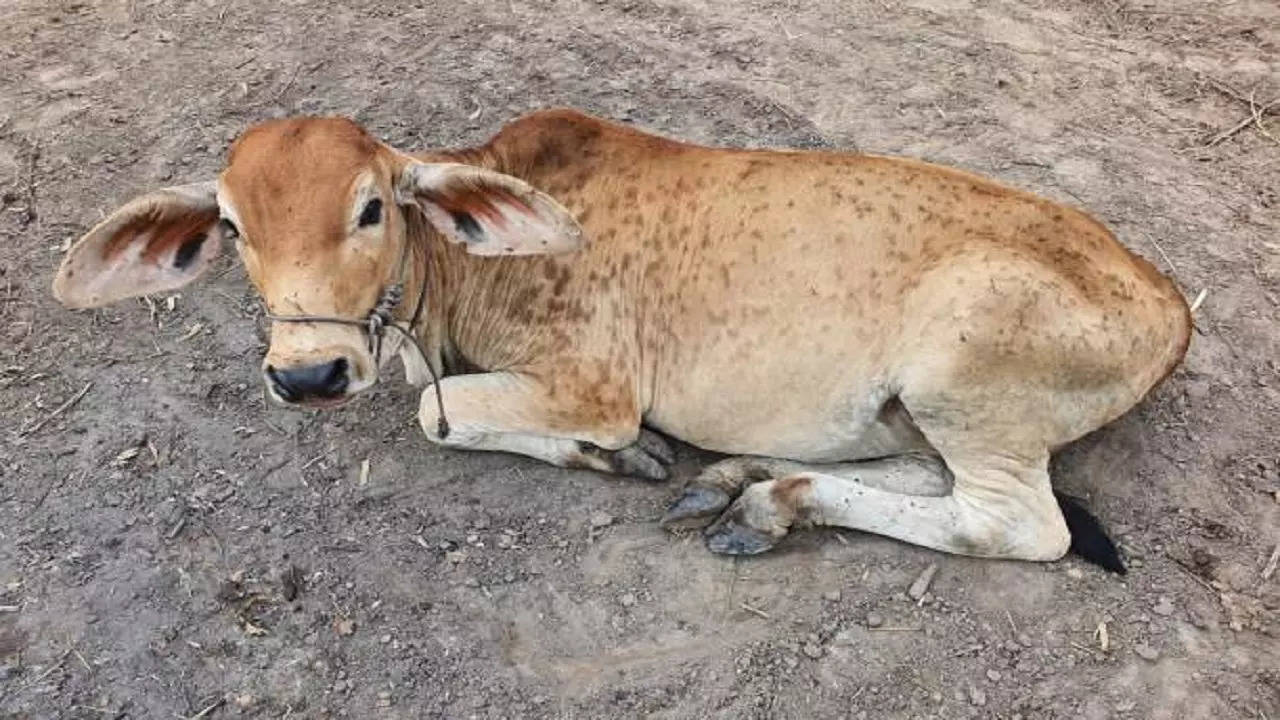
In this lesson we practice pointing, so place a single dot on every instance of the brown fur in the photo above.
(813, 306)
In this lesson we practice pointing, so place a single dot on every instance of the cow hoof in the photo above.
(695, 508)
(636, 462)
(646, 458)
(652, 443)
(729, 536)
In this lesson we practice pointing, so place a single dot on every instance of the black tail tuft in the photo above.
(1088, 539)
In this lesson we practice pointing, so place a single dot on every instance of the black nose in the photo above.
(326, 380)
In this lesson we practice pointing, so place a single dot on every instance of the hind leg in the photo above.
(999, 507)
(887, 446)
(720, 484)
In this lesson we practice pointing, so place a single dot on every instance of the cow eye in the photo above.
(372, 213)
(229, 228)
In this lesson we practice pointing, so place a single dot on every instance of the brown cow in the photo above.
(805, 310)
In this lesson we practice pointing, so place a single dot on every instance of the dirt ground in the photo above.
(172, 548)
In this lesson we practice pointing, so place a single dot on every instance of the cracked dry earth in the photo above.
(172, 548)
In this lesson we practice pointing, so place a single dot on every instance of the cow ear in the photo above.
(156, 242)
(488, 212)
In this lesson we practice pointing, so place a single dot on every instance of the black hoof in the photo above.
(698, 506)
(636, 462)
(653, 444)
(729, 537)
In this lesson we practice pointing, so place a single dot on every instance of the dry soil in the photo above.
(172, 548)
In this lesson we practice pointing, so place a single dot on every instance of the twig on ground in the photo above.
(1255, 115)
(785, 31)
(1195, 305)
(54, 667)
(214, 706)
(31, 213)
(1270, 569)
(80, 657)
(1084, 648)
(58, 410)
(1178, 563)
(754, 610)
(48, 489)
(267, 473)
(1164, 255)
(288, 84)
(1257, 121)
(1227, 89)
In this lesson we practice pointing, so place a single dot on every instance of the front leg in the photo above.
(518, 413)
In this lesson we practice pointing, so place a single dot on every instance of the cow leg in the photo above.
(721, 483)
(508, 412)
(999, 507)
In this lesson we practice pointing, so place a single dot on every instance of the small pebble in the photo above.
(1164, 607)
(831, 596)
(601, 519)
(627, 600)
(812, 650)
(977, 696)
(874, 619)
(1146, 652)
(993, 675)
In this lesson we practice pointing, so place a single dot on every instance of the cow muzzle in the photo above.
(319, 385)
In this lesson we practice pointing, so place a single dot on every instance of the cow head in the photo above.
(323, 217)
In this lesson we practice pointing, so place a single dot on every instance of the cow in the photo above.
(877, 343)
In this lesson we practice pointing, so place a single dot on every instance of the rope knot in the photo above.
(381, 316)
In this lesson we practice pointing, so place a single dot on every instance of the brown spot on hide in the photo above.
(789, 493)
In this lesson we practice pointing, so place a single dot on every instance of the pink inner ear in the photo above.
(166, 232)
